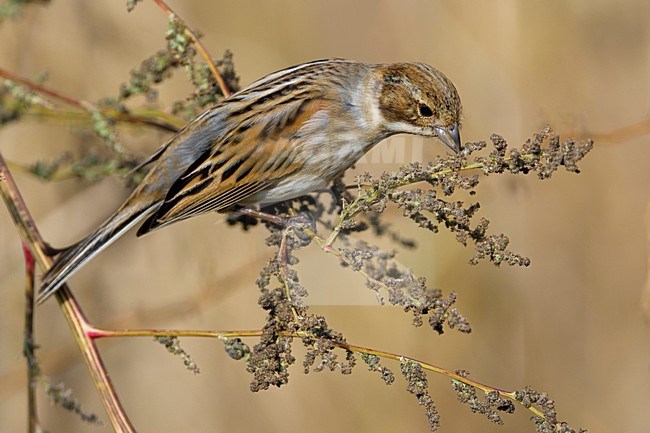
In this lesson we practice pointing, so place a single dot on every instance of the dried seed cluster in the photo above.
(374, 364)
(60, 395)
(418, 386)
(490, 406)
(549, 423)
(173, 346)
(428, 205)
(288, 317)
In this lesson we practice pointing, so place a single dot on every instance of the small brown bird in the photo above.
(283, 136)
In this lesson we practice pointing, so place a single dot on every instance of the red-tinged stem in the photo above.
(69, 307)
(166, 124)
(29, 260)
(41, 89)
(106, 333)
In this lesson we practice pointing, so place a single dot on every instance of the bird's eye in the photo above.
(425, 111)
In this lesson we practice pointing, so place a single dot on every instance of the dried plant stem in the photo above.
(439, 370)
(619, 135)
(283, 259)
(69, 307)
(222, 335)
(28, 343)
(199, 46)
(153, 118)
(39, 88)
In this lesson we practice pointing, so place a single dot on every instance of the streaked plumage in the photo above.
(283, 136)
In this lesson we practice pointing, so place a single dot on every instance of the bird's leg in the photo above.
(274, 219)
(301, 221)
(297, 221)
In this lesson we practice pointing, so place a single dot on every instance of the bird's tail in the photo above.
(73, 258)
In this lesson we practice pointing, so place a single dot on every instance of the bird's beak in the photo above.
(450, 135)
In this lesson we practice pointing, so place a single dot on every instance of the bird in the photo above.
(283, 136)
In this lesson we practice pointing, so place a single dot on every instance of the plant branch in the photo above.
(199, 46)
(33, 371)
(283, 260)
(222, 335)
(39, 88)
(70, 308)
(155, 119)
(619, 135)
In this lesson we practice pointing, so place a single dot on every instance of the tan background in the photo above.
(572, 324)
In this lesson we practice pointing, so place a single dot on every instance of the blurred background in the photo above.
(572, 324)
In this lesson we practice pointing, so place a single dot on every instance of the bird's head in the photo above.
(418, 99)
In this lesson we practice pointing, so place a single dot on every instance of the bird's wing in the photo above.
(256, 154)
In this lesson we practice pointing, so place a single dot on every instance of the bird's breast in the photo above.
(329, 142)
